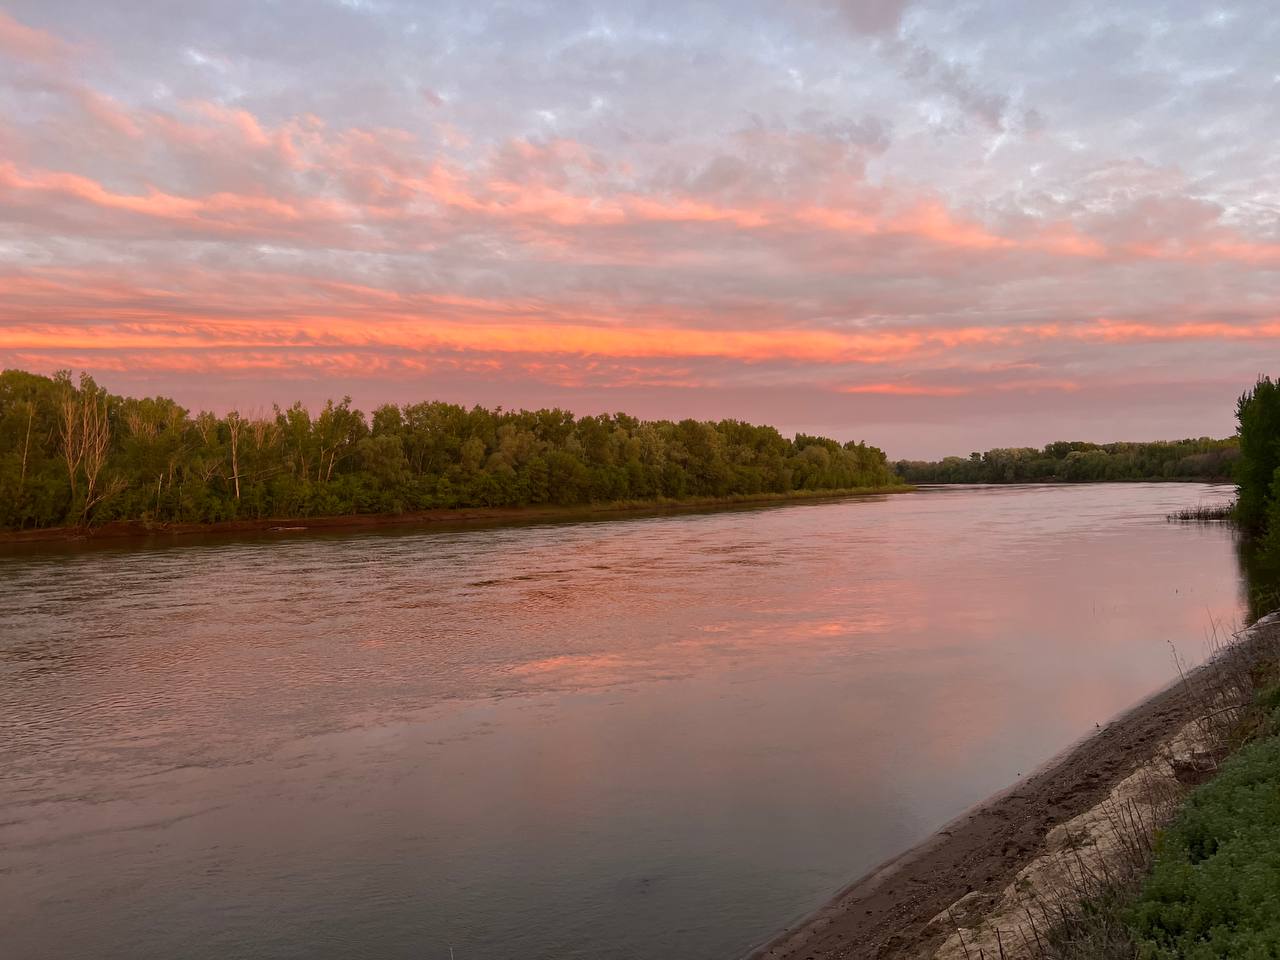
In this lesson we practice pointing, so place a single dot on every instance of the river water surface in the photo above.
(659, 738)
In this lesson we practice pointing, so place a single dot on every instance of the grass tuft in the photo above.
(1204, 513)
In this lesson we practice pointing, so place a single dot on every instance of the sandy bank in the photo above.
(893, 912)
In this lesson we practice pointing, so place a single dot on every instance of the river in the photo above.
(658, 738)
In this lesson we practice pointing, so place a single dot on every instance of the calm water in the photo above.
(654, 738)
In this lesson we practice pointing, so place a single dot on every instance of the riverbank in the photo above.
(137, 529)
(905, 907)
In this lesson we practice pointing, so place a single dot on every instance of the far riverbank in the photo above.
(138, 529)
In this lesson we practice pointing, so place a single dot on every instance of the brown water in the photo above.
(658, 738)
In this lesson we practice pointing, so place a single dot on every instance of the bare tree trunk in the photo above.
(71, 437)
(96, 439)
(26, 448)
(176, 513)
(234, 423)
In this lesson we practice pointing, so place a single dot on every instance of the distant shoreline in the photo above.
(141, 529)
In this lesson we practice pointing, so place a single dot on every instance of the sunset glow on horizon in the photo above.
(936, 227)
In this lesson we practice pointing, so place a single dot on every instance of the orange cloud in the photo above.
(495, 336)
(192, 310)
(945, 390)
(223, 212)
(904, 389)
(1120, 331)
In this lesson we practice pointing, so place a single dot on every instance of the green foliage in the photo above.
(1258, 470)
(33, 483)
(1215, 887)
(1079, 462)
(76, 455)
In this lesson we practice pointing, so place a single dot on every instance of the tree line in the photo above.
(1080, 462)
(73, 454)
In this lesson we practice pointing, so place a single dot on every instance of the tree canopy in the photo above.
(1258, 473)
(72, 453)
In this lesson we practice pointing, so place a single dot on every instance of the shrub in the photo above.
(1215, 889)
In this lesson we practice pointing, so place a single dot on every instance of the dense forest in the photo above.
(1079, 462)
(73, 454)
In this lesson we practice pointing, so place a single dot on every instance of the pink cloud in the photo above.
(383, 189)
(27, 43)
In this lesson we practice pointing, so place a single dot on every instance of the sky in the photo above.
(935, 226)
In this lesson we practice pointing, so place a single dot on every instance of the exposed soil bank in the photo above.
(135, 529)
(1059, 482)
(888, 914)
